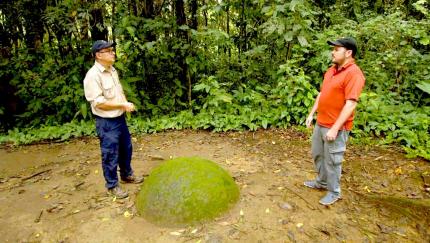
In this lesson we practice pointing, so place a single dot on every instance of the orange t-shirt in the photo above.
(338, 87)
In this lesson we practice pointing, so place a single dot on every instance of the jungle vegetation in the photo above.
(213, 64)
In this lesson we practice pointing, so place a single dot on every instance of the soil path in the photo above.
(55, 192)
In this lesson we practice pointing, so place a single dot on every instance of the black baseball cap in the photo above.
(101, 44)
(348, 42)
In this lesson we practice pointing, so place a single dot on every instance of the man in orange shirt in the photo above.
(335, 105)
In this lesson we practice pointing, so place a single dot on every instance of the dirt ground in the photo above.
(55, 192)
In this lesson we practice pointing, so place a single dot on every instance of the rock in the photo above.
(285, 205)
(426, 179)
(185, 191)
(384, 229)
(214, 238)
(233, 233)
(291, 236)
(156, 157)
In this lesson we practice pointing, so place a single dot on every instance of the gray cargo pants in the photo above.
(328, 157)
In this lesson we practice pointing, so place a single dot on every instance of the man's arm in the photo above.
(311, 114)
(346, 112)
(109, 105)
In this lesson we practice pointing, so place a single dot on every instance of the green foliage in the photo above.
(286, 101)
(247, 65)
(186, 190)
(402, 124)
(19, 136)
(53, 95)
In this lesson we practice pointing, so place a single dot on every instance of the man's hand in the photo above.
(331, 134)
(129, 107)
(309, 121)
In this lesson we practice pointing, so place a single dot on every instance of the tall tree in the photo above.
(98, 28)
(33, 11)
(182, 34)
(193, 25)
(193, 9)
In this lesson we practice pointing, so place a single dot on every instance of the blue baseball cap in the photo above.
(101, 44)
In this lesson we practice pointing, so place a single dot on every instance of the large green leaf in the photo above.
(424, 86)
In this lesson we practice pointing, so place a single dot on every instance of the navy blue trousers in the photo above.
(116, 148)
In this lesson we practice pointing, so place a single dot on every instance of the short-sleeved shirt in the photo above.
(101, 85)
(338, 87)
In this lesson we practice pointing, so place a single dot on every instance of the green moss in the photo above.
(186, 191)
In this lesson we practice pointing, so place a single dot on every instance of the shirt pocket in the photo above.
(108, 88)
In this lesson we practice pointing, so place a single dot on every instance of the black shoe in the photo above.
(117, 192)
(132, 179)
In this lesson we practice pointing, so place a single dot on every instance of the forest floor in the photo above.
(55, 192)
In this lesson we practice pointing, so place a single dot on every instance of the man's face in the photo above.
(106, 55)
(339, 54)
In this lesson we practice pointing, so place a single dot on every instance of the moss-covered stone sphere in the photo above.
(186, 191)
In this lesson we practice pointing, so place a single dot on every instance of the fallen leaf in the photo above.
(127, 214)
(224, 223)
(366, 188)
(401, 234)
(398, 171)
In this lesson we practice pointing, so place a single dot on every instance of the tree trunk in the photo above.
(243, 27)
(33, 24)
(193, 10)
(11, 34)
(193, 25)
(183, 36)
(98, 29)
(150, 79)
(180, 18)
(205, 14)
(132, 7)
(228, 25)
